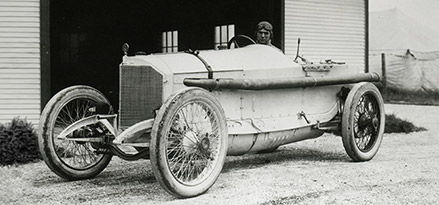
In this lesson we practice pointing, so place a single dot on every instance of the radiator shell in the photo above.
(141, 93)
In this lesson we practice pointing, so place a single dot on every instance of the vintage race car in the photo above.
(186, 111)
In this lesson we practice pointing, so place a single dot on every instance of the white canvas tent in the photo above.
(411, 49)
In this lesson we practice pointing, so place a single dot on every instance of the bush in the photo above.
(18, 143)
(397, 125)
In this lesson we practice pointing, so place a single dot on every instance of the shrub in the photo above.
(397, 125)
(18, 143)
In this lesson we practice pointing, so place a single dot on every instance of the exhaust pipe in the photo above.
(279, 83)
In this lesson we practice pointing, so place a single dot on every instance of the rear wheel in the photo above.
(189, 143)
(71, 159)
(363, 122)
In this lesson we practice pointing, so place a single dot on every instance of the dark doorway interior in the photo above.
(86, 36)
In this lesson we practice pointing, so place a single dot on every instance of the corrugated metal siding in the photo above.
(328, 29)
(19, 60)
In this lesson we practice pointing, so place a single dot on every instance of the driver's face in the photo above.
(263, 36)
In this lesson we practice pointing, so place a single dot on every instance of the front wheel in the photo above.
(71, 160)
(189, 143)
(363, 122)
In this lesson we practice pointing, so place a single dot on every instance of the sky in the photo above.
(424, 11)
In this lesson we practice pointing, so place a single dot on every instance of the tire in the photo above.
(363, 122)
(69, 159)
(186, 156)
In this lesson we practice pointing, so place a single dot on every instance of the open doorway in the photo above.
(86, 37)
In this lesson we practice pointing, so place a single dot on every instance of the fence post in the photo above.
(383, 75)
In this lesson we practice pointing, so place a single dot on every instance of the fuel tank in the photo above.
(243, 144)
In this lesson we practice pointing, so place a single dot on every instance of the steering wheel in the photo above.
(234, 40)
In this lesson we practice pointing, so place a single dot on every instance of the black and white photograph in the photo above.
(249, 102)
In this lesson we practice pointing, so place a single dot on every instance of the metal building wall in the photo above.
(328, 29)
(19, 60)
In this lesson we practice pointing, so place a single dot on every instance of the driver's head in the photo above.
(264, 33)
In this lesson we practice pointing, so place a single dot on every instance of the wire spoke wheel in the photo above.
(189, 143)
(366, 121)
(363, 122)
(77, 155)
(193, 143)
(71, 159)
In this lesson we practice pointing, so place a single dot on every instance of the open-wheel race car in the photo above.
(186, 111)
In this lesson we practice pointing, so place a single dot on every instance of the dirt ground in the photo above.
(318, 171)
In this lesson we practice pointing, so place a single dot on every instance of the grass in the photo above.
(398, 125)
(411, 98)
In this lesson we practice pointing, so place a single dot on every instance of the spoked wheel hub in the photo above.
(193, 145)
(204, 145)
(375, 123)
(365, 120)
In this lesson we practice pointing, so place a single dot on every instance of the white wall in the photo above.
(334, 29)
(19, 60)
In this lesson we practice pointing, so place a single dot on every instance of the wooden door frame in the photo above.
(44, 52)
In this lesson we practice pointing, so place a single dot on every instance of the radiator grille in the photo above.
(141, 90)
